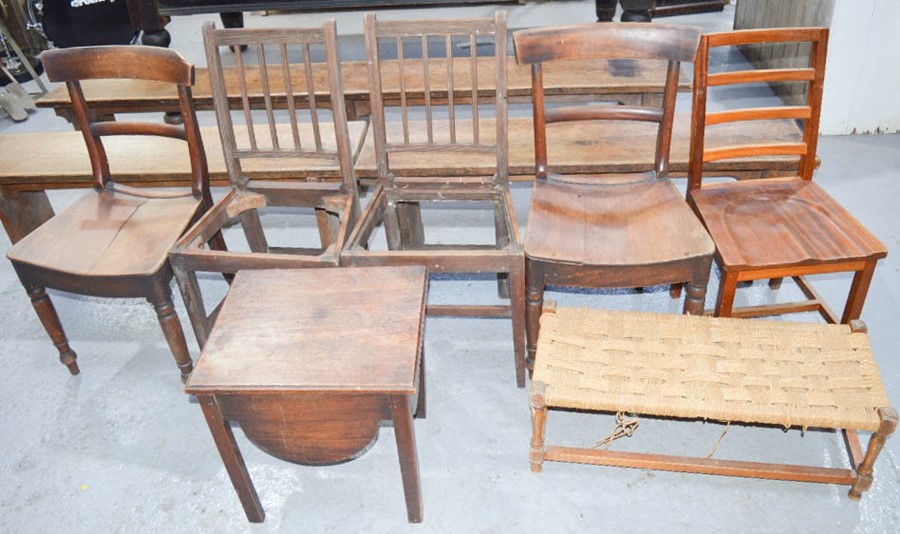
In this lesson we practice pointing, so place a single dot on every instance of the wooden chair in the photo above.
(396, 200)
(325, 144)
(772, 228)
(629, 230)
(114, 242)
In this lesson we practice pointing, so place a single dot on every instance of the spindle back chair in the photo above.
(461, 124)
(282, 62)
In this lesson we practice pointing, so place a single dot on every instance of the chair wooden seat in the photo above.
(711, 369)
(808, 224)
(631, 223)
(108, 234)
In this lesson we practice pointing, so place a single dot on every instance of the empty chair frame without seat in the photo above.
(460, 125)
(772, 228)
(629, 230)
(282, 61)
(114, 242)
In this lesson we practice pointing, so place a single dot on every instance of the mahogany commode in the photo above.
(309, 361)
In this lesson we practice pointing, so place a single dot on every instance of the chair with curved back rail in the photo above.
(630, 230)
(114, 242)
(773, 228)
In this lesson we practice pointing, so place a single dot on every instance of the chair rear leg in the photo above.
(171, 327)
(49, 318)
(517, 310)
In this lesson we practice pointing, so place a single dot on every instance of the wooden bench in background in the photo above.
(28, 168)
(629, 82)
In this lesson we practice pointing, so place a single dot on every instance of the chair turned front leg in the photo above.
(49, 318)
(538, 423)
(171, 328)
(695, 299)
(876, 443)
(534, 302)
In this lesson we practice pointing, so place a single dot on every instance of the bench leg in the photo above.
(22, 212)
(876, 443)
(538, 423)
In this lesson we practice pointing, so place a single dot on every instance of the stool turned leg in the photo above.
(538, 422)
(234, 461)
(49, 318)
(876, 443)
(171, 328)
(409, 462)
(775, 283)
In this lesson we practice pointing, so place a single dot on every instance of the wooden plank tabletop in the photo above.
(583, 148)
(26, 164)
(569, 78)
(59, 160)
(354, 329)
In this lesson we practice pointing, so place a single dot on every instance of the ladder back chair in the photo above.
(774, 228)
(452, 85)
(282, 61)
(629, 230)
(114, 242)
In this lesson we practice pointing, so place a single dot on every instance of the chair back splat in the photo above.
(617, 42)
(72, 65)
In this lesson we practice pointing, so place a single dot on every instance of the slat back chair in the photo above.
(772, 228)
(293, 125)
(630, 230)
(114, 243)
(465, 116)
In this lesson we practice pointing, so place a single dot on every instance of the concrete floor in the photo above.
(121, 449)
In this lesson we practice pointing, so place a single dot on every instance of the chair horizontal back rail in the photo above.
(137, 128)
(589, 112)
(759, 149)
(114, 62)
(252, 36)
(762, 75)
(581, 41)
(766, 35)
(758, 114)
(406, 28)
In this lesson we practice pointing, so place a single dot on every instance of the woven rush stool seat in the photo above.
(721, 369)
